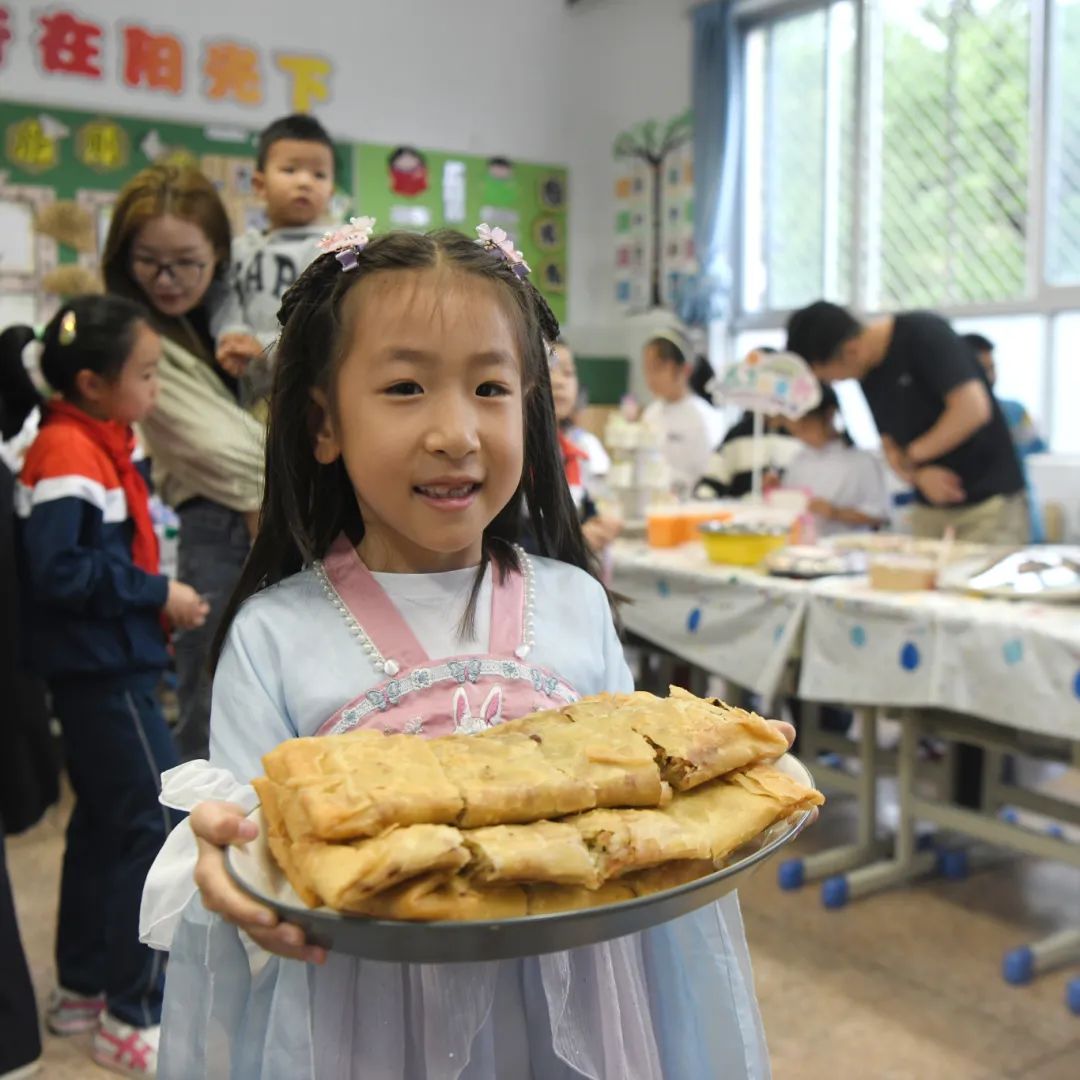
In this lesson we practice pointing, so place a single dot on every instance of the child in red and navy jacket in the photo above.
(95, 605)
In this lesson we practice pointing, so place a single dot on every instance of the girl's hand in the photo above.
(785, 729)
(185, 608)
(217, 825)
(822, 508)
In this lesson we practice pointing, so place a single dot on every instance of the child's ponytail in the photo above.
(18, 394)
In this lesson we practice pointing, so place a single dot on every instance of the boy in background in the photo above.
(294, 176)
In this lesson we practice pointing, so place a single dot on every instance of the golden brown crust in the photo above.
(698, 741)
(401, 827)
(622, 841)
(548, 851)
(668, 876)
(360, 784)
(507, 781)
(344, 875)
(437, 897)
(550, 899)
(728, 813)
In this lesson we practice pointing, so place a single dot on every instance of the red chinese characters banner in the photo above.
(148, 59)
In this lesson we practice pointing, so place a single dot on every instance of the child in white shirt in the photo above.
(295, 178)
(847, 484)
(690, 428)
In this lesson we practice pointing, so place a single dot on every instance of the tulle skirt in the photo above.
(672, 1003)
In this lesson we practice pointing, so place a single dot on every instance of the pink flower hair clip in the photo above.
(348, 241)
(499, 241)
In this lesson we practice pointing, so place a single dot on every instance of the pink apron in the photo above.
(420, 696)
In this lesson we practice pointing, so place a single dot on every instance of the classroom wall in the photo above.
(532, 79)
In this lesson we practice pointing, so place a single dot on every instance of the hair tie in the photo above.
(68, 326)
(498, 241)
(348, 241)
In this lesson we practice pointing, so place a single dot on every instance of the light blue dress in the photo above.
(673, 1003)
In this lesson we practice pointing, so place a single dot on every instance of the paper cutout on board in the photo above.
(408, 172)
(454, 191)
(500, 186)
(18, 241)
(549, 233)
(103, 146)
(410, 217)
(552, 191)
(29, 146)
(775, 384)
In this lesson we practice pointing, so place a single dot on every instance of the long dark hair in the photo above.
(182, 192)
(89, 333)
(307, 505)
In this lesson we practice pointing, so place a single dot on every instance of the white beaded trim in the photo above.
(391, 667)
(526, 646)
(379, 662)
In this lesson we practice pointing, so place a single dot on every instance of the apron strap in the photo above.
(369, 605)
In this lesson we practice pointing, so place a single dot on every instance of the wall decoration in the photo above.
(654, 221)
(62, 169)
(408, 187)
(152, 61)
(61, 172)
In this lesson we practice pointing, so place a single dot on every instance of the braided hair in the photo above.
(306, 505)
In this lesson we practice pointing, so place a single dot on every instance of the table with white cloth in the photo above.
(739, 624)
(997, 674)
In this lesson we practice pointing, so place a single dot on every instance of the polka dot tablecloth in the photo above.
(1013, 663)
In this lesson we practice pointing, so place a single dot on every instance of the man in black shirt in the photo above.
(941, 429)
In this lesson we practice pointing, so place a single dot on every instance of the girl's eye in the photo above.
(491, 389)
(405, 389)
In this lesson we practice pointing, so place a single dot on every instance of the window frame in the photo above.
(1043, 298)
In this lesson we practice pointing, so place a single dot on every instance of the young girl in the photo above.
(847, 485)
(585, 460)
(168, 247)
(691, 429)
(94, 601)
(411, 418)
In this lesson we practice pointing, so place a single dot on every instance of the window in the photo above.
(1066, 383)
(902, 154)
(954, 153)
(1063, 146)
(798, 165)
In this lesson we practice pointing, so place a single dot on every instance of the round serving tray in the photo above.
(255, 871)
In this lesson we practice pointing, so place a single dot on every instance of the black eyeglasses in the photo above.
(185, 272)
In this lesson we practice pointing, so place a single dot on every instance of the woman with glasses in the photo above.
(168, 246)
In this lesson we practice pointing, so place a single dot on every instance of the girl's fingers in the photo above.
(786, 729)
(288, 941)
(221, 895)
(222, 823)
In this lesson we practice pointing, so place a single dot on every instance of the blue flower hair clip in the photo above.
(348, 241)
(498, 240)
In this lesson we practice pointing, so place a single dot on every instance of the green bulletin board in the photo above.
(409, 188)
(51, 155)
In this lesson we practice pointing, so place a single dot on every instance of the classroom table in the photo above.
(997, 674)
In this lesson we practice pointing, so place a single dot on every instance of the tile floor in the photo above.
(901, 986)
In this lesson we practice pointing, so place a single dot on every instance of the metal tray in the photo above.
(255, 871)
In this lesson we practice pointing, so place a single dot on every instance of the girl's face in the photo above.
(173, 262)
(564, 383)
(816, 429)
(428, 416)
(129, 398)
(665, 379)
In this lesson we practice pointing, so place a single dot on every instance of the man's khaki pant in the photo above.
(1002, 520)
